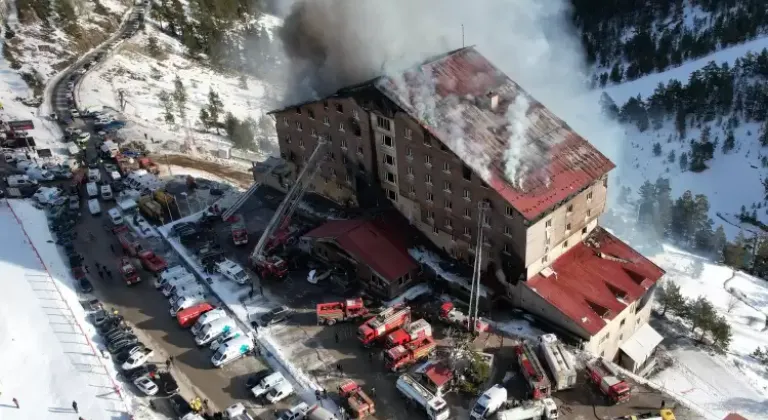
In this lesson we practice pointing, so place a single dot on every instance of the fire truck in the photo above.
(239, 231)
(607, 379)
(383, 323)
(533, 371)
(152, 262)
(400, 357)
(359, 404)
(333, 312)
(128, 271)
(452, 315)
(128, 241)
(415, 330)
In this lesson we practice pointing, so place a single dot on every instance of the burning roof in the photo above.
(596, 280)
(529, 156)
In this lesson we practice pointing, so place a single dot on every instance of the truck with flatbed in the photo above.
(433, 406)
(152, 262)
(332, 312)
(607, 379)
(399, 357)
(560, 362)
(413, 331)
(359, 405)
(533, 371)
(382, 324)
(128, 241)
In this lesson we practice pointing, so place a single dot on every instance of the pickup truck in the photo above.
(152, 262)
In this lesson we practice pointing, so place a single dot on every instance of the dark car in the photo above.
(145, 369)
(167, 383)
(180, 406)
(275, 316)
(85, 286)
(257, 377)
(118, 346)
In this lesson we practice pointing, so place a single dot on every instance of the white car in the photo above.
(146, 385)
(75, 113)
(297, 412)
(137, 359)
(280, 392)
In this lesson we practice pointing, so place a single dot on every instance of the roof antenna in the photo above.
(462, 35)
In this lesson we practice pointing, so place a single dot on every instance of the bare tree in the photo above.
(733, 301)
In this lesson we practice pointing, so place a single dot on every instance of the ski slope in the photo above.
(48, 358)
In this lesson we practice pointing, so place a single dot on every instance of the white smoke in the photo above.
(334, 43)
(516, 159)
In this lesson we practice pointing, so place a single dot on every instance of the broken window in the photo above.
(340, 108)
(427, 141)
(390, 177)
(311, 114)
(383, 123)
(298, 110)
(389, 159)
(387, 141)
(392, 195)
(466, 173)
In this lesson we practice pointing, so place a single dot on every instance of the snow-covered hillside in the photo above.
(133, 73)
(741, 167)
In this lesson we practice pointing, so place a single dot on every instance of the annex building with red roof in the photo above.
(437, 139)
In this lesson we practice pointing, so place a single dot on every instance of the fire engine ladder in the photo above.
(242, 198)
(557, 353)
(292, 199)
(474, 298)
(418, 388)
(534, 362)
(388, 318)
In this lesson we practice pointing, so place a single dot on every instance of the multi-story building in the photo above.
(454, 132)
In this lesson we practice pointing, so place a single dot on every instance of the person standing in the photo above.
(74, 406)
(15, 401)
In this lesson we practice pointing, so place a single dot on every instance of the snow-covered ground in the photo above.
(718, 384)
(142, 78)
(50, 351)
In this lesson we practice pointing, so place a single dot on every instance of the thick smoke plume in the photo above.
(334, 43)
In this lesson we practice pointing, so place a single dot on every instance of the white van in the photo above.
(15, 181)
(172, 284)
(106, 193)
(207, 318)
(214, 329)
(490, 402)
(225, 338)
(92, 189)
(115, 216)
(94, 207)
(267, 383)
(232, 271)
(174, 272)
(94, 175)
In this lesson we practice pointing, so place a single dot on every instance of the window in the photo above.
(446, 186)
(605, 337)
(570, 208)
(325, 105)
(311, 114)
(409, 152)
(430, 198)
(602, 353)
(544, 258)
(347, 178)
(412, 190)
(339, 186)
(298, 111)
(408, 133)
(427, 141)
(313, 132)
(360, 150)
(355, 114)
(507, 231)
(298, 125)
(434, 230)
(448, 205)
(287, 139)
(428, 179)
(390, 177)
(383, 123)
(333, 172)
(465, 194)
(446, 167)
(546, 240)
(487, 220)
(341, 126)
(468, 213)
(622, 322)
(548, 223)
(340, 108)
(568, 227)
(392, 195)
(428, 159)
(344, 159)
(509, 212)
(285, 121)
(301, 143)
(449, 223)
(467, 231)
(584, 230)
(343, 143)
(388, 159)
(589, 213)
(466, 173)
(409, 170)
(605, 182)
(565, 244)
(507, 249)
(326, 121)
(387, 141)
(589, 196)
(621, 337)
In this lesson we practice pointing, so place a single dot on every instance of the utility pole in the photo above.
(462, 35)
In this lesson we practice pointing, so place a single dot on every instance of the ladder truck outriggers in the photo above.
(533, 371)
(435, 407)
(382, 324)
(277, 231)
(559, 360)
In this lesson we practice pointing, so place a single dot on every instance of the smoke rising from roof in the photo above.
(334, 43)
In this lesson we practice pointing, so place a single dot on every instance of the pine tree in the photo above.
(701, 314)
(736, 253)
(671, 158)
(719, 241)
(180, 97)
(153, 48)
(684, 162)
(215, 108)
(657, 149)
(764, 134)
(664, 206)
(166, 100)
(243, 82)
(670, 298)
(729, 143)
(720, 330)
(616, 73)
(205, 119)
(609, 106)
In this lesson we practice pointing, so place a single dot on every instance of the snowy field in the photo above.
(718, 384)
(142, 78)
(44, 333)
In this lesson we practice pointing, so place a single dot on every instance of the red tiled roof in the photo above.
(372, 243)
(734, 416)
(438, 374)
(596, 280)
(450, 97)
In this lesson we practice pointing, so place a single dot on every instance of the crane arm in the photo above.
(292, 199)
(242, 198)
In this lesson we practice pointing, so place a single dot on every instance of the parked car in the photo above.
(137, 359)
(146, 385)
(85, 286)
(256, 378)
(275, 316)
(120, 345)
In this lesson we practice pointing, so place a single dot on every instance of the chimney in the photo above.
(494, 98)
